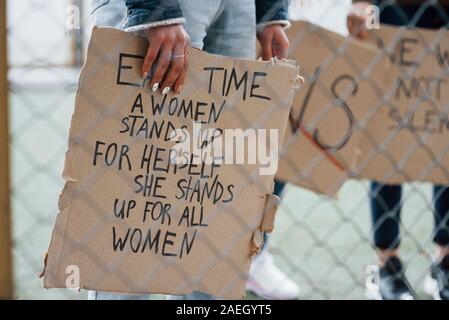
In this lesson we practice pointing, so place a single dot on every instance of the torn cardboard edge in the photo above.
(266, 225)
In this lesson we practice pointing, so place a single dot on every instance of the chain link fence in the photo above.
(42, 84)
(323, 244)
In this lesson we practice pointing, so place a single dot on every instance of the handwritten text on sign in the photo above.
(154, 163)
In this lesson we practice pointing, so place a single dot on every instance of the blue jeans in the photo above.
(225, 27)
(386, 199)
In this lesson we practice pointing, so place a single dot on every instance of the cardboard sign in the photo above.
(411, 129)
(361, 114)
(134, 220)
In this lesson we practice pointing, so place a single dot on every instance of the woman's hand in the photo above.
(167, 56)
(274, 42)
(356, 20)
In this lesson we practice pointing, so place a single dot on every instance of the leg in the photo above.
(436, 283)
(441, 216)
(385, 214)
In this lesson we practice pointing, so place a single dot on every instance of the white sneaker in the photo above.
(268, 281)
(430, 287)
(372, 291)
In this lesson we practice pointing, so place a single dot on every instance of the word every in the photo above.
(222, 81)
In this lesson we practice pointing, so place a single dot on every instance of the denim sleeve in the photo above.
(152, 12)
(271, 10)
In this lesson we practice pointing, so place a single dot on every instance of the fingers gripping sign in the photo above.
(166, 60)
(175, 69)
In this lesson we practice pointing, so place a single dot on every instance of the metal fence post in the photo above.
(6, 286)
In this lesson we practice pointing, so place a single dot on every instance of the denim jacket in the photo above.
(143, 14)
